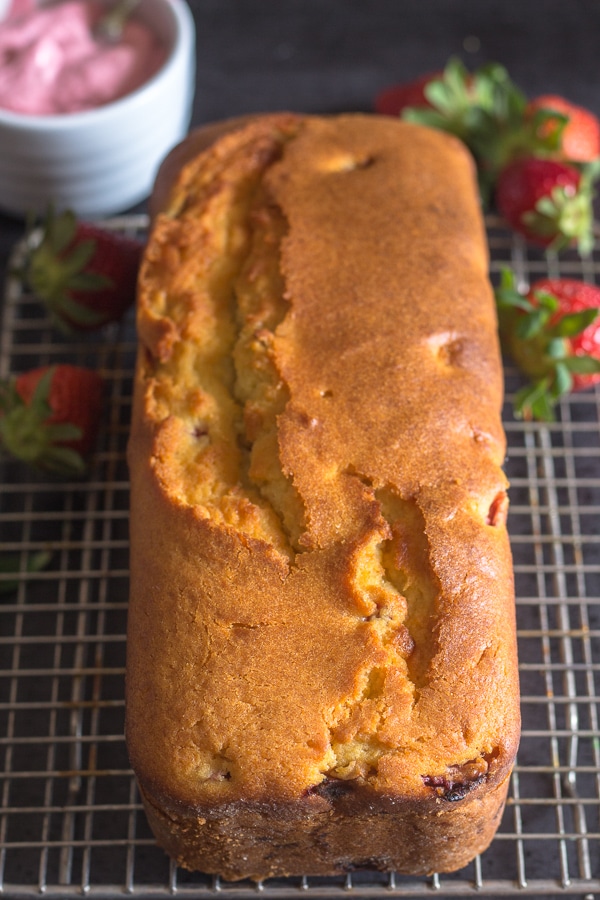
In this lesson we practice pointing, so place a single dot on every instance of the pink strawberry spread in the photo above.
(51, 62)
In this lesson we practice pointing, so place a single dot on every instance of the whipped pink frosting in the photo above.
(51, 63)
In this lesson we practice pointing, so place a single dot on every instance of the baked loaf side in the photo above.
(321, 668)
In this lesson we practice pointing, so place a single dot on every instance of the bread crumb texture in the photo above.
(321, 579)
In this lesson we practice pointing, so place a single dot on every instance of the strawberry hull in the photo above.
(553, 335)
(115, 262)
(85, 275)
(49, 417)
(577, 129)
(574, 297)
(548, 202)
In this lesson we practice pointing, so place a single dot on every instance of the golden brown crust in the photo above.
(322, 610)
(189, 148)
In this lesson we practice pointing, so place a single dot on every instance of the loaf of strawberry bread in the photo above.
(321, 663)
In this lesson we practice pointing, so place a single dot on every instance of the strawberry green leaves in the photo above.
(548, 333)
(49, 417)
(85, 275)
(577, 129)
(57, 272)
(487, 111)
(537, 160)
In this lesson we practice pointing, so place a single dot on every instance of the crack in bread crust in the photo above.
(217, 378)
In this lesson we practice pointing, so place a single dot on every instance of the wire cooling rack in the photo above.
(71, 821)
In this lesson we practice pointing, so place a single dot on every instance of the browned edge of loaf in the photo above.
(334, 831)
(336, 825)
(198, 140)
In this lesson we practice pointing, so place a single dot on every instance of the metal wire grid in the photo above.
(71, 821)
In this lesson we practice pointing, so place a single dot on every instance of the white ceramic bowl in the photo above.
(103, 161)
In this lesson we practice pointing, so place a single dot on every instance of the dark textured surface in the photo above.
(331, 55)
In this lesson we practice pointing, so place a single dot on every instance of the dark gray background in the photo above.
(331, 55)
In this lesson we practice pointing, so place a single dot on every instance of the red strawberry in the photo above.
(49, 417)
(553, 335)
(548, 201)
(393, 100)
(85, 275)
(577, 128)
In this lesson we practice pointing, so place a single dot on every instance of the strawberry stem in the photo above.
(539, 344)
(27, 435)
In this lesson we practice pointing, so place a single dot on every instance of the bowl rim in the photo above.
(184, 41)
